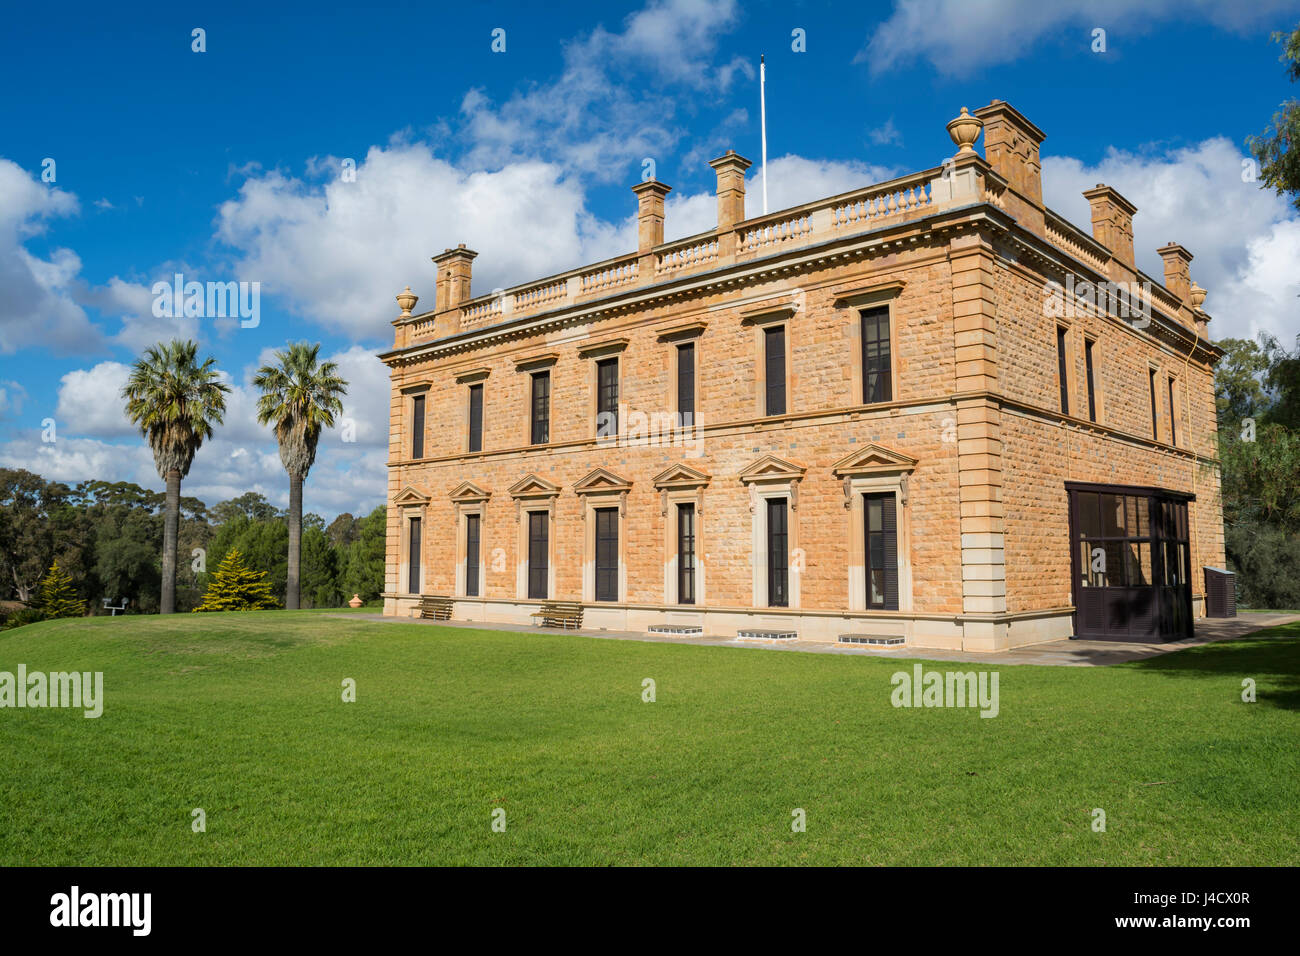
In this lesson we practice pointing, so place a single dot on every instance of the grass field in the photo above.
(241, 715)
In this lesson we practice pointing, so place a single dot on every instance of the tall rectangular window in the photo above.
(417, 426)
(881, 553)
(778, 551)
(774, 370)
(1062, 369)
(686, 384)
(606, 554)
(538, 555)
(1173, 414)
(413, 557)
(540, 404)
(1092, 388)
(1155, 418)
(476, 417)
(472, 547)
(877, 382)
(685, 554)
(607, 398)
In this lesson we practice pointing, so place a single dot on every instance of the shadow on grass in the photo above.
(1271, 658)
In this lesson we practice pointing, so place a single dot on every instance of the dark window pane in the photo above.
(881, 550)
(417, 426)
(774, 370)
(877, 383)
(1092, 394)
(471, 555)
(1061, 370)
(538, 554)
(541, 409)
(476, 418)
(686, 383)
(1089, 515)
(1173, 416)
(606, 554)
(607, 398)
(685, 554)
(413, 557)
(778, 573)
(1155, 422)
(1112, 516)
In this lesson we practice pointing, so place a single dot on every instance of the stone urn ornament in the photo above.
(406, 300)
(356, 601)
(1197, 295)
(964, 130)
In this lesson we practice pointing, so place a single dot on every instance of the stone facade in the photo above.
(970, 446)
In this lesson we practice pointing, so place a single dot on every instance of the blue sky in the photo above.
(225, 165)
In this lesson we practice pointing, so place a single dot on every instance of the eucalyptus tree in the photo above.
(175, 401)
(300, 396)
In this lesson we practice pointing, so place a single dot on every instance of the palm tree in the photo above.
(301, 397)
(175, 402)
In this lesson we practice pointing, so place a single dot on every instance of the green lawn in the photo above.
(242, 716)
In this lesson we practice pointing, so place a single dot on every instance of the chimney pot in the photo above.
(455, 268)
(1178, 277)
(1112, 222)
(1011, 144)
(730, 168)
(650, 214)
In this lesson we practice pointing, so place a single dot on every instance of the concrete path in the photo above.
(1066, 653)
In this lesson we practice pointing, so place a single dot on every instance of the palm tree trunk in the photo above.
(171, 525)
(295, 542)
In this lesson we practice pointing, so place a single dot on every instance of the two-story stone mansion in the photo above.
(930, 408)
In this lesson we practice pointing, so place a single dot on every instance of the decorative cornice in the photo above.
(600, 481)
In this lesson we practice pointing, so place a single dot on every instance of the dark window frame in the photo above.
(473, 553)
(686, 537)
(880, 550)
(539, 400)
(1173, 414)
(686, 384)
(539, 543)
(1155, 417)
(775, 399)
(778, 551)
(417, 426)
(605, 559)
(607, 395)
(875, 327)
(476, 417)
(1091, 380)
(1063, 366)
(414, 547)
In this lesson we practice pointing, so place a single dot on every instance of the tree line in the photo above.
(107, 538)
(176, 401)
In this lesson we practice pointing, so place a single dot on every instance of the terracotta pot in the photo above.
(356, 601)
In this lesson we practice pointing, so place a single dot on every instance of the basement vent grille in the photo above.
(873, 640)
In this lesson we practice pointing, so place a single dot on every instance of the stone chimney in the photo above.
(650, 214)
(731, 188)
(1011, 147)
(454, 268)
(1178, 278)
(1112, 222)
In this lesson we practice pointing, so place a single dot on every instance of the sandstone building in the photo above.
(928, 409)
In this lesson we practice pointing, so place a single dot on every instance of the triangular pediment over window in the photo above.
(872, 459)
(469, 493)
(601, 480)
(530, 486)
(680, 476)
(411, 496)
(771, 468)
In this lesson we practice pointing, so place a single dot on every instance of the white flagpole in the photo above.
(762, 106)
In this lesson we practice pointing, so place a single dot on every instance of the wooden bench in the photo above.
(563, 614)
(435, 607)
